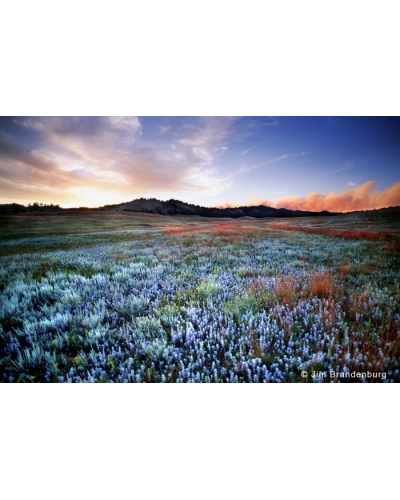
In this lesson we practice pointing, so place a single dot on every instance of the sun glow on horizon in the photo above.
(92, 198)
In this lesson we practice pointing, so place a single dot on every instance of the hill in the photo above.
(176, 207)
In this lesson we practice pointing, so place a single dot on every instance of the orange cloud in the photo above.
(364, 197)
(228, 204)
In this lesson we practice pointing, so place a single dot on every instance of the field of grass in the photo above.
(128, 297)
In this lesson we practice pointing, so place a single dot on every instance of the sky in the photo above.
(307, 163)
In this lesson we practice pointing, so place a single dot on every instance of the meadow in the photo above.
(133, 297)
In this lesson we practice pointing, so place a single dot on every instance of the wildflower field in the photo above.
(129, 297)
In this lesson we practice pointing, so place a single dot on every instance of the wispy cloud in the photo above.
(249, 168)
(335, 171)
(350, 183)
(164, 129)
(266, 121)
(208, 141)
(247, 150)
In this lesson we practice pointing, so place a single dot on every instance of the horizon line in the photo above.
(82, 207)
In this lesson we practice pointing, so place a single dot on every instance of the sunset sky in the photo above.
(310, 163)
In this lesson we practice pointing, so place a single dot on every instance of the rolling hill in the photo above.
(176, 207)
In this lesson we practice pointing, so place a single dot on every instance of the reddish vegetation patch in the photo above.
(217, 229)
(322, 284)
(285, 288)
(334, 233)
(178, 230)
(229, 228)
(345, 269)
(393, 247)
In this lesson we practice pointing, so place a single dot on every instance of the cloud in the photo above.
(247, 150)
(228, 204)
(364, 197)
(329, 172)
(350, 183)
(249, 168)
(71, 154)
(79, 156)
(26, 167)
(164, 129)
(266, 121)
(206, 142)
(129, 123)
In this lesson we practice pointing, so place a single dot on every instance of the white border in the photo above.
(178, 58)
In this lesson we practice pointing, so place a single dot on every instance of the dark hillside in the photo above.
(176, 207)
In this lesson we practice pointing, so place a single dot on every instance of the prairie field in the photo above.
(134, 297)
